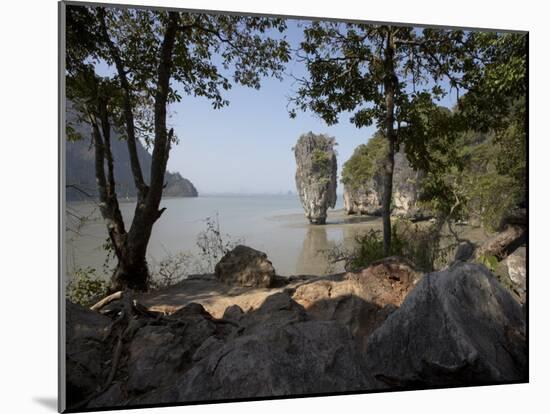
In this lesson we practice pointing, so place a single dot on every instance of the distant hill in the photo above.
(80, 173)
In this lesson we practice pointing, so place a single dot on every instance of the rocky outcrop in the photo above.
(366, 197)
(407, 188)
(177, 186)
(384, 327)
(316, 175)
(457, 327)
(245, 266)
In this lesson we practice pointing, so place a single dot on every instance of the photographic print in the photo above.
(261, 206)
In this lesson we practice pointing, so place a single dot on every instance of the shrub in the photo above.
(172, 269)
(421, 243)
(213, 245)
(84, 286)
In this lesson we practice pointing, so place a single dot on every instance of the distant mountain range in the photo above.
(80, 172)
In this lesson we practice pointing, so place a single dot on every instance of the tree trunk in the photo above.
(390, 80)
(132, 271)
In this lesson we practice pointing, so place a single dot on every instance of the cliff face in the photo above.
(80, 170)
(406, 189)
(363, 192)
(364, 199)
(316, 175)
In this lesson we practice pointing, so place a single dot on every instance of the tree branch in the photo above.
(127, 109)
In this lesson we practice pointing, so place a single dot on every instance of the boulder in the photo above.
(464, 251)
(245, 266)
(457, 327)
(316, 175)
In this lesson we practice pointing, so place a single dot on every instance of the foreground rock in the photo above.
(361, 300)
(457, 327)
(316, 175)
(275, 350)
(87, 350)
(245, 266)
(279, 352)
(386, 326)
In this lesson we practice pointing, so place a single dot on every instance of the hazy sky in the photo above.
(246, 146)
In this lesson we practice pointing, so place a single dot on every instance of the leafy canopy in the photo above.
(365, 162)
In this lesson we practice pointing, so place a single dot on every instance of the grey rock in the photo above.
(87, 351)
(464, 251)
(288, 355)
(233, 313)
(114, 396)
(159, 354)
(316, 175)
(245, 266)
(457, 327)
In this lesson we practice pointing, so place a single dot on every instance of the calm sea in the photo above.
(274, 224)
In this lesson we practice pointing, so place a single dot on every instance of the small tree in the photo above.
(157, 58)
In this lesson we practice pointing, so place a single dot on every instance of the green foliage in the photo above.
(420, 243)
(365, 162)
(489, 261)
(245, 49)
(84, 286)
(321, 160)
(496, 78)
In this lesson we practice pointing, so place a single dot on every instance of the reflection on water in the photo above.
(312, 259)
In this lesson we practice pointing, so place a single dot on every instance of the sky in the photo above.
(246, 147)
